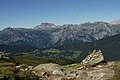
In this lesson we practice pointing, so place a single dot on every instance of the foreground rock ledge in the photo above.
(98, 72)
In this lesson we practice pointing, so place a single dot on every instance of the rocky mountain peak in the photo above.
(45, 26)
(116, 22)
(8, 30)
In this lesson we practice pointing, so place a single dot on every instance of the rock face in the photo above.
(94, 58)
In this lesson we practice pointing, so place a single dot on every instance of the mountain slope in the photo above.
(12, 49)
(110, 47)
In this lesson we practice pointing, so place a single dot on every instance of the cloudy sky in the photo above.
(28, 13)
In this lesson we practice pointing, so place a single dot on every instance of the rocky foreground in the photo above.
(93, 67)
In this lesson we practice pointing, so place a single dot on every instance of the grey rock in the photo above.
(94, 58)
(48, 67)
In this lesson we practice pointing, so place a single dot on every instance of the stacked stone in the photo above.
(94, 58)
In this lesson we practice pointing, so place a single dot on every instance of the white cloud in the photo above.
(76, 14)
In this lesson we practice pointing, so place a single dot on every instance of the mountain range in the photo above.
(47, 35)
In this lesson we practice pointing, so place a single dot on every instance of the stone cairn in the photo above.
(94, 58)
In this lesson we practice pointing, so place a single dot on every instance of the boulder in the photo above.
(48, 69)
(94, 58)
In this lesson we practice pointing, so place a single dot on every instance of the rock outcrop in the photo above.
(94, 58)
(97, 73)
(48, 69)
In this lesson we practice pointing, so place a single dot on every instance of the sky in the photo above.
(29, 13)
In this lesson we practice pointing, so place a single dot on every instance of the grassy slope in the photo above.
(9, 72)
(35, 60)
